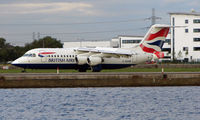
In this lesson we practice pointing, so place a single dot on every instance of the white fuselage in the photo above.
(66, 58)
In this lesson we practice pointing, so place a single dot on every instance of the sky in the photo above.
(78, 20)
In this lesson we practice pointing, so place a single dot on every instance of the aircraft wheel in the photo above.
(82, 70)
(96, 68)
(23, 71)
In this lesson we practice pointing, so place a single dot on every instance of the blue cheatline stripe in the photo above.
(69, 66)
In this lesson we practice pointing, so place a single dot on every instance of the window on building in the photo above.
(196, 30)
(166, 50)
(196, 39)
(185, 48)
(186, 30)
(168, 41)
(186, 21)
(196, 21)
(130, 41)
(196, 48)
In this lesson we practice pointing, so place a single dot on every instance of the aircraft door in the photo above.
(134, 58)
(42, 56)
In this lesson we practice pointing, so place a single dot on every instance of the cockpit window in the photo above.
(25, 55)
(34, 55)
(29, 55)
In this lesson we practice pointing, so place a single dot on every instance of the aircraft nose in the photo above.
(15, 62)
(18, 62)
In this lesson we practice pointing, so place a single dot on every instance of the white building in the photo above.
(185, 40)
(90, 44)
(125, 41)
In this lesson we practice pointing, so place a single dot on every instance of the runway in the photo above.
(121, 79)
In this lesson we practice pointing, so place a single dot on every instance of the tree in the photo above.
(10, 53)
(179, 54)
(46, 42)
(186, 53)
(2, 42)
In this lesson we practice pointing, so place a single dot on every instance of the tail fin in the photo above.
(154, 39)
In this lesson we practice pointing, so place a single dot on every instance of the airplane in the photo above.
(96, 59)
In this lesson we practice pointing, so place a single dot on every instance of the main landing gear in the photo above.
(82, 70)
(96, 68)
(23, 71)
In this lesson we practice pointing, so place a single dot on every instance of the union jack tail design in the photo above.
(154, 39)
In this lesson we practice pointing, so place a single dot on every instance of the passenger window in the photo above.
(64, 55)
(34, 55)
(51, 55)
(54, 55)
(61, 56)
(57, 55)
(69, 55)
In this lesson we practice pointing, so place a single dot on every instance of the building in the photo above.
(91, 44)
(126, 41)
(185, 44)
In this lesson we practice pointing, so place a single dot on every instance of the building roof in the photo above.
(129, 36)
(185, 13)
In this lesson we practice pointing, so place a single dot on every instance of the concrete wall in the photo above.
(98, 80)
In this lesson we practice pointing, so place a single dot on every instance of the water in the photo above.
(137, 103)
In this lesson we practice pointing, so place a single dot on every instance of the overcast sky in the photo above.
(74, 20)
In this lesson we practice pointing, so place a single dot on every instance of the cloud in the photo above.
(46, 8)
(174, 1)
(194, 3)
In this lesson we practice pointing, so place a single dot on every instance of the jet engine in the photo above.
(93, 61)
(81, 59)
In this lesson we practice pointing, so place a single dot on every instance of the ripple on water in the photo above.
(101, 103)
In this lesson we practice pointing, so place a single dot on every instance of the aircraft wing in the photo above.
(107, 52)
